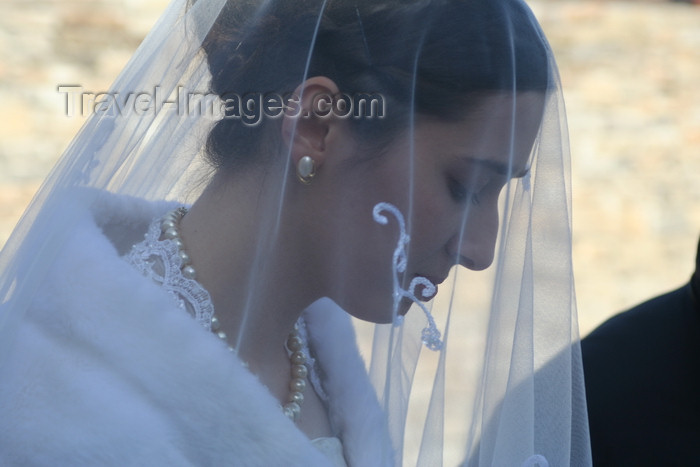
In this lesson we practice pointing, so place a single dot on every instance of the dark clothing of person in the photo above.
(642, 370)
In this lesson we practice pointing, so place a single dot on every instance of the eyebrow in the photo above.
(501, 169)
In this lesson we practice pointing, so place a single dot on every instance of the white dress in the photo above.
(159, 260)
(107, 370)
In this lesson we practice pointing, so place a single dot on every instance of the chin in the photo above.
(374, 311)
(404, 305)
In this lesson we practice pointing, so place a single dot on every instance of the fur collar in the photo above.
(108, 371)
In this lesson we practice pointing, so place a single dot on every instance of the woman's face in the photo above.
(446, 179)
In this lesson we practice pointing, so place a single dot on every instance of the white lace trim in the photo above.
(159, 261)
(311, 363)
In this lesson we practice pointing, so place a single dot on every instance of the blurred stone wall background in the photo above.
(631, 77)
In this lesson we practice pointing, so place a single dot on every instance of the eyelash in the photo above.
(460, 193)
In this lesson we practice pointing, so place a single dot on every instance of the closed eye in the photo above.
(460, 193)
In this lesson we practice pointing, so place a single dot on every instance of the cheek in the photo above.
(433, 222)
(365, 286)
(367, 291)
(368, 247)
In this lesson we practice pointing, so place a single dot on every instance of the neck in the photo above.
(244, 261)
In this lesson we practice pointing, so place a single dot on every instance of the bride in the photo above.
(346, 159)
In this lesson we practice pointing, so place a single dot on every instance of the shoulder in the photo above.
(353, 405)
(642, 383)
(663, 318)
(653, 335)
(107, 370)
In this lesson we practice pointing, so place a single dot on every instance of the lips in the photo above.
(436, 280)
(423, 284)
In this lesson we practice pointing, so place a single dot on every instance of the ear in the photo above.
(308, 131)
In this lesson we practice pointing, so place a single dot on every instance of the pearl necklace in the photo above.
(294, 345)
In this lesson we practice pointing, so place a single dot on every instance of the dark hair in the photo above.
(450, 52)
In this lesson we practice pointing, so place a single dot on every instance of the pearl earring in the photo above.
(306, 169)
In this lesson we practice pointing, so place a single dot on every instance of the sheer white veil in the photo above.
(503, 382)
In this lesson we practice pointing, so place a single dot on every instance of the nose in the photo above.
(472, 246)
